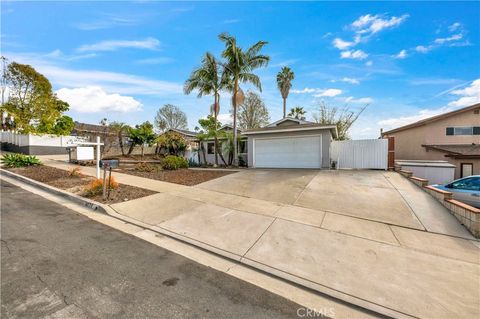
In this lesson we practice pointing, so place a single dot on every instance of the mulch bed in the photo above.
(184, 176)
(75, 184)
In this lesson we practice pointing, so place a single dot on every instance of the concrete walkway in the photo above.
(389, 266)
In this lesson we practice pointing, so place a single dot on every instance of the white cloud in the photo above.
(111, 81)
(319, 92)
(454, 37)
(347, 80)
(404, 120)
(93, 99)
(328, 93)
(469, 95)
(371, 24)
(455, 26)
(225, 118)
(157, 60)
(112, 45)
(362, 100)
(369, 63)
(107, 21)
(401, 55)
(423, 49)
(305, 90)
(342, 45)
(357, 54)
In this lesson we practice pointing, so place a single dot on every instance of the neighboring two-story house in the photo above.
(452, 136)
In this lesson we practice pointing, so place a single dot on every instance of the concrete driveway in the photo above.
(365, 194)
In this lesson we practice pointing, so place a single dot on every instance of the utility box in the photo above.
(82, 153)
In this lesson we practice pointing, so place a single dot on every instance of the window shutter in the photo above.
(476, 130)
(450, 131)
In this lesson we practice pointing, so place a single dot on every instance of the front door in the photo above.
(466, 169)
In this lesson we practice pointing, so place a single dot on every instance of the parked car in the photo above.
(465, 189)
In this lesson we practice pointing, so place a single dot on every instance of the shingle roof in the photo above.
(434, 118)
(457, 150)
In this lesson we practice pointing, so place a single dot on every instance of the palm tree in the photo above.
(120, 129)
(207, 79)
(238, 67)
(284, 83)
(297, 112)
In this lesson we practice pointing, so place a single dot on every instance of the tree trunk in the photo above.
(120, 142)
(216, 140)
(202, 147)
(234, 102)
(130, 150)
(217, 149)
(143, 149)
(284, 107)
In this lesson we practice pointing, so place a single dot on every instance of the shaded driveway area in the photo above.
(372, 195)
(371, 238)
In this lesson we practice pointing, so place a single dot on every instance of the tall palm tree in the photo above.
(207, 80)
(238, 67)
(284, 83)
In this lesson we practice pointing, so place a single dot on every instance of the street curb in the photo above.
(306, 284)
(72, 197)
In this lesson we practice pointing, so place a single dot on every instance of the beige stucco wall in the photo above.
(408, 143)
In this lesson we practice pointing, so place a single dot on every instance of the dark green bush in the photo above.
(172, 162)
(19, 160)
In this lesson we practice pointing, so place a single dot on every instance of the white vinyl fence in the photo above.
(40, 140)
(360, 154)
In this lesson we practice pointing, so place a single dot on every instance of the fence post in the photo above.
(98, 157)
(391, 152)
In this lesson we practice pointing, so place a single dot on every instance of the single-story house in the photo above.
(290, 143)
(209, 146)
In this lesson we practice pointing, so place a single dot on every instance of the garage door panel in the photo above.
(288, 152)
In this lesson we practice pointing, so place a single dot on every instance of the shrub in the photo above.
(95, 187)
(193, 163)
(146, 167)
(172, 162)
(75, 172)
(19, 160)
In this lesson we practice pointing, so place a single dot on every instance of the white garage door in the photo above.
(288, 152)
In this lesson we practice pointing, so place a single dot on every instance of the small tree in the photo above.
(140, 135)
(172, 142)
(342, 117)
(211, 130)
(120, 129)
(252, 113)
(297, 112)
(31, 101)
(170, 116)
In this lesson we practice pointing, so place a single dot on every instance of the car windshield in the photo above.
(471, 183)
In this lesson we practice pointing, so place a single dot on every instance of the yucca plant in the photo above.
(19, 160)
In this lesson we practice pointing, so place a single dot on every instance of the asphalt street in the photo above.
(57, 263)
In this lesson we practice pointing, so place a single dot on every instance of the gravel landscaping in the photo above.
(186, 177)
(76, 184)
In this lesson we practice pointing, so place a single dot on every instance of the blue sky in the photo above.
(124, 60)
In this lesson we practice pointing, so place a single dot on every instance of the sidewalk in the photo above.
(396, 271)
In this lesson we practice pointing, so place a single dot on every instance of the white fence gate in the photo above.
(360, 154)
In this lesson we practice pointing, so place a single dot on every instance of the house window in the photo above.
(467, 130)
(211, 148)
(242, 147)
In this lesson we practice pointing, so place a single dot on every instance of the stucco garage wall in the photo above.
(325, 135)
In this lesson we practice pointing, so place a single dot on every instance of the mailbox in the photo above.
(106, 164)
